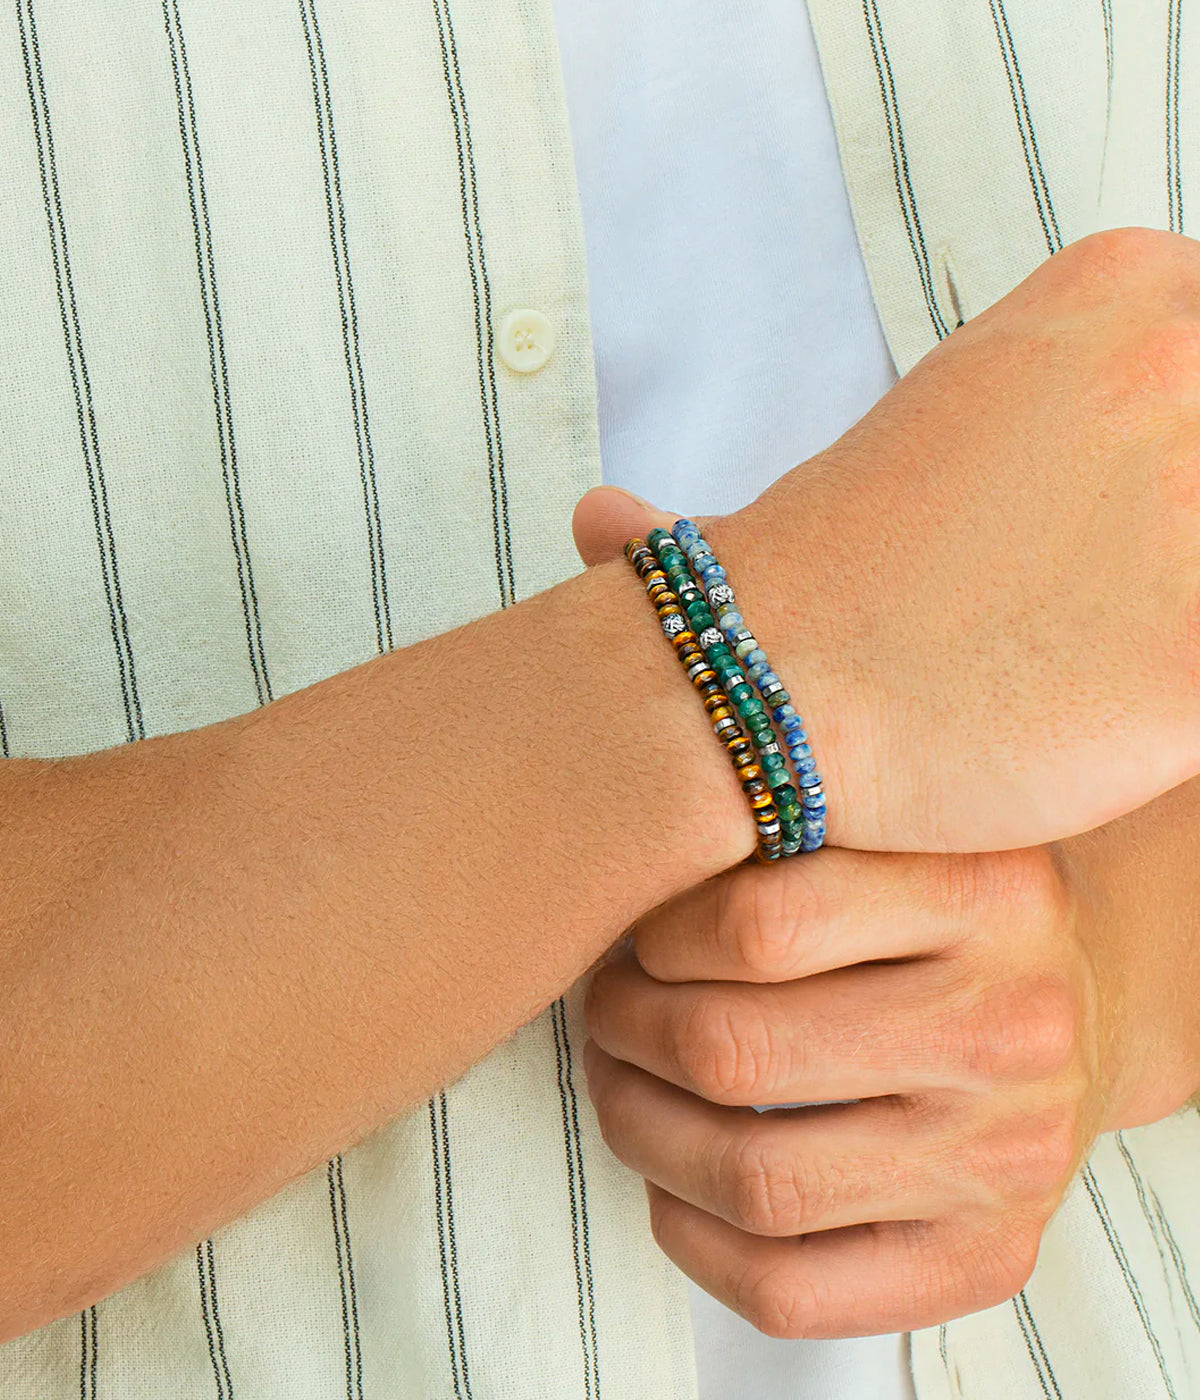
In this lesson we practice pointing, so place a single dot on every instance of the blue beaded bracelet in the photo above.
(714, 581)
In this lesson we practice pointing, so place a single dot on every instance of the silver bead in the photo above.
(710, 637)
(720, 593)
(673, 624)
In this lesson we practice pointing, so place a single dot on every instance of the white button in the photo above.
(526, 340)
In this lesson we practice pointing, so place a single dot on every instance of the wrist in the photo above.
(802, 623)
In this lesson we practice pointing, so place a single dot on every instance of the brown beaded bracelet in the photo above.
(720, 712)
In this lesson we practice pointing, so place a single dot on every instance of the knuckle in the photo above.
(1023, 1029)
(1027, 1162)
(1099, 259)
(767, 1192)
(779, 1303)
(994, 1265)
(1042, 1158)
(1162, 357)
(724, 1050)
(763, 926)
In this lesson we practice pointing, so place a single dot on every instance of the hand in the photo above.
(992, 1014)
(986, 596)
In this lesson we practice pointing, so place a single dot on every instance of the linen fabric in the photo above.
(252, 259)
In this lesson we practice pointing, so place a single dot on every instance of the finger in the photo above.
(855, 1033)
(607, 516)
(788, 1173)
(886, 1277)
(832, 908)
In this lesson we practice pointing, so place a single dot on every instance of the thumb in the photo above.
(607, 516)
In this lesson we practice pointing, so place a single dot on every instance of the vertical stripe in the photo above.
(1185, 1283)
(447, 1245)
(345, 1263)
(1174, 176)
(482, 295)
(1035, 1348)
(3, 735)
(206, 1268)
(1164, 1240)
(942, 1348)
(1106, 12)
(1033, 158)
(218, 370)
(900, 170)
(89, 437)
(447, 1305)
(577, 1194)
(87, 1354)
(1131, 1283)
(336, 214)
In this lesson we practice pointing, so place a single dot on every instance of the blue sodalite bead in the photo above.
(686, 549)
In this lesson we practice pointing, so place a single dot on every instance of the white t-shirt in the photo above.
(735, 335)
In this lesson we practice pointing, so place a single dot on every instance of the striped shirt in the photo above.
(253, 264)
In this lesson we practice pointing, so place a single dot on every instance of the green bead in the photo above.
(792, 813)
(750, 706)
(775, 763)
(786, 794)
(740, 692)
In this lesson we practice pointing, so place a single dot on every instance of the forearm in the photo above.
(233, 952)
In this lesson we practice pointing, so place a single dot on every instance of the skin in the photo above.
(316, 855)
(993, 1013)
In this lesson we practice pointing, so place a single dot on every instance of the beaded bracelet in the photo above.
(809, 821)
(671, 614)
(736, 685)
